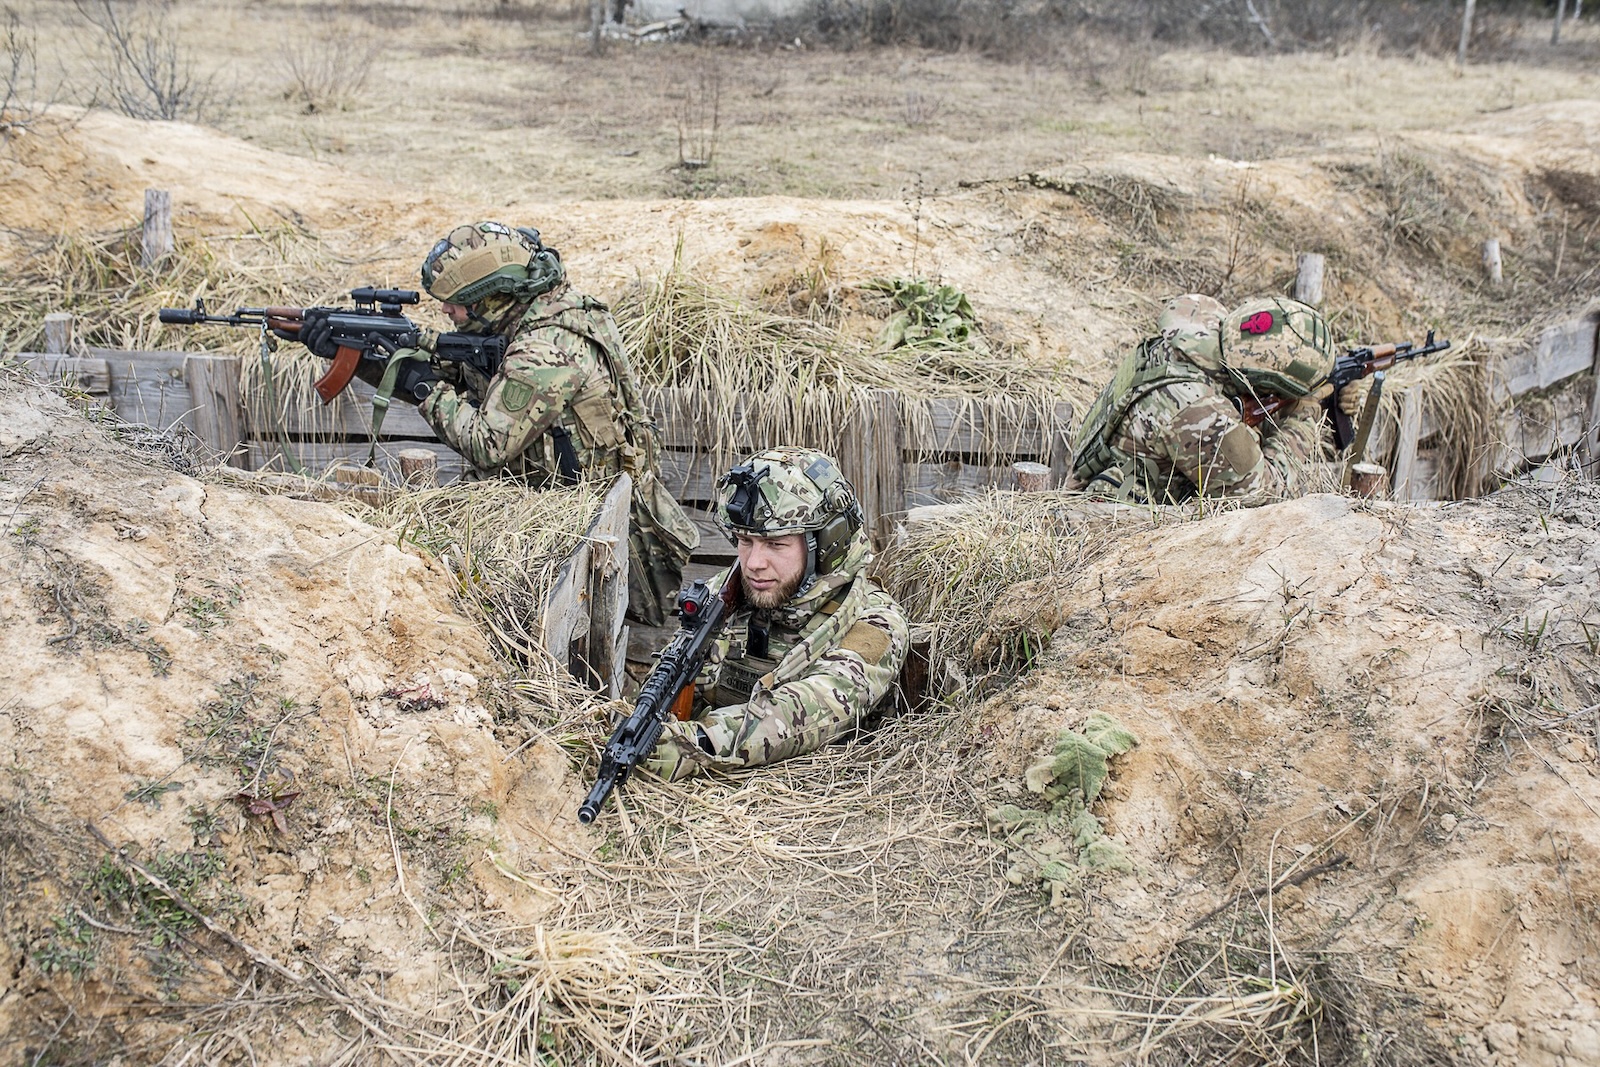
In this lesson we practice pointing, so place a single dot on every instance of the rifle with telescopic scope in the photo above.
(363, 337)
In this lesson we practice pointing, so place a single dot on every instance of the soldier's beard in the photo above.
(772, 597)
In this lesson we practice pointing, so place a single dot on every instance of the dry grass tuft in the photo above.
(1457, 404)
(503, 542)
(949, 570)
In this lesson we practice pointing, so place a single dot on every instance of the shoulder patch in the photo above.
(515, 395)
(867, 641)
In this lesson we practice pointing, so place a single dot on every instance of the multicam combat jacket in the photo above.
(1164, 430)
(832, 654)
(565, 368)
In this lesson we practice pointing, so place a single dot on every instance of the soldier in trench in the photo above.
(1167, 428)
(814, 644)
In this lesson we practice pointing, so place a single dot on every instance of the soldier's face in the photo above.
(457, 313)
(772, 568)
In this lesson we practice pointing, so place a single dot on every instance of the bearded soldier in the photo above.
(1168, 427)
(814, 644)
(563, 403)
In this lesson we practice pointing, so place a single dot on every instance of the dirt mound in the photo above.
(1385, 714)
(262, 701)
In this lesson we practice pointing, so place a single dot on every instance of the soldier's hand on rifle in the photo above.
(316, 333)
(1353, 397)
(1310, 405)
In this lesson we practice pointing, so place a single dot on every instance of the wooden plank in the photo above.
(606, 641)
(1407, 477)
(58, 330)
(690, 477)
(566, 609)
(91, 376)
(944, 483)
(887, 446)
(1591, 434)
(1001, 428)
(218, 413)
(1540, 426)
(148, 387)
(1060, 455)
(349, 415)
(686, 420)
(1561, 351)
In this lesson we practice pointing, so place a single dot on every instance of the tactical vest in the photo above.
(755, 648)
(612, 421)
(1149, 367)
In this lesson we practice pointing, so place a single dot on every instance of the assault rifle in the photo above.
(1355, 364)
(370, 332)
(669, 688)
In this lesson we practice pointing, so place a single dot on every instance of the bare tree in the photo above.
(148, 76)
(19, 78)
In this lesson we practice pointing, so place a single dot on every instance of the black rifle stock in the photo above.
(701, 614)
(371, 331)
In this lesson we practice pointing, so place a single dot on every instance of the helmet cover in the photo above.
(790, 490)
(481, 259)
(1276, 345)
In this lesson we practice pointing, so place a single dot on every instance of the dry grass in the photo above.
(948, 571)
(505, 545)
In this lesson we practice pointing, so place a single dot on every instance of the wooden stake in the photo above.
(1466, 33)
(1561, 10)
(1309, 268)
(58, 333)
(1491, 261)
(419, 468)
(1031, 477)
(156, 240)
(1368, 479)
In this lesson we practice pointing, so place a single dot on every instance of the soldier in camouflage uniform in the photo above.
(564, 402)
(814, 644)
(1167, 428)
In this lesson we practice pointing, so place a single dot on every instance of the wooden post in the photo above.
(218, 414)
(1060, 450)
(1491, 261)
(597, 15)
(1561, 11)
(1466, 32)
(605, 650)
(1407, 476)
(1367, 479)
(156, 239)
(1591, 437)
(419, 468)
(886, 452)
(58, 333)
(1309, 268)
(1031, 477)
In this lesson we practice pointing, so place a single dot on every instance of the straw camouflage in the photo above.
(565, 368)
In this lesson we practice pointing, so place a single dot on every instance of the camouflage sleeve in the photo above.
(1210, 445)
(799, 716)
(541, 373)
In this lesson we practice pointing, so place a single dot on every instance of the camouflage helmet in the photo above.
(479, 260)
(787, 490)
(1190, 323)
(1276, 345)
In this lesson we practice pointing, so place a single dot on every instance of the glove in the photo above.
(1353, 397)
(447, 371)
(316, 333)
(425, 339)
(1310, 405)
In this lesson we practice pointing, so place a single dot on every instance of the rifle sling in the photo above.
(386, 385)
